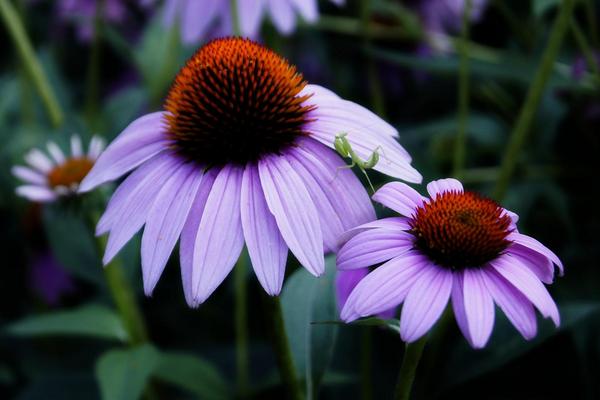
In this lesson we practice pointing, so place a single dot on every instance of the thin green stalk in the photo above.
(534, 95)
(590, 12)
(366, 350)
(235, 18)
(585, 49)
(241, 324)
(16, 31)
(93, 73)
(283, 353)
(463, 94)
(408, 370)
(124, 297)
(375, 86)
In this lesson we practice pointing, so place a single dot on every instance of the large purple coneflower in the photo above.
(197, 17)
(456, 245)
(48, 178)
(242, 153)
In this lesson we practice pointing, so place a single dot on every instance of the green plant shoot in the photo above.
(344, 148)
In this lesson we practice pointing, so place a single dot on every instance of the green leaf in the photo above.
(92, 321)
(192, 374)
(123, 374)
(306, 299)
(540, 7)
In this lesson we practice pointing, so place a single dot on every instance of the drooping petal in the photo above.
(188, 234)
(373, 247)
(425, 302)
(135, 208)
(515, 306)
(219, 240)
(28, 175)
(385, 287)
(478, 306)
(196, 17)
(266, 247)
(140, 141)
(527, 283)
(165, 221)
(282, 16)
(443, 185)
(39, 161)
(534, 245)
(540, 265)
(296, 215)
(341, 201)
(250, 14)
(458, 306)
(36, 193)
(399, 197)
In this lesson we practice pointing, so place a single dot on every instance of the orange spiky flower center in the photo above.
(69, 173)
(461, 229)
(234, 101)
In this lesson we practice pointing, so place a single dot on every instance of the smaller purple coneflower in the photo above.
(48, 178)
(457, 245)
(198, 17)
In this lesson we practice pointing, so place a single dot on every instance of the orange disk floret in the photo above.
(69, 173)
(234, 101)
(461, 230)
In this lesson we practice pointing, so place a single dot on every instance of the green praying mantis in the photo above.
(344, 148)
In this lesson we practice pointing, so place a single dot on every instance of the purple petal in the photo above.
(165, 221)
(307, 8)
(28, 175)
(534, 245)
(76, 146)
(385, 287)
(345, 282)
(219, 239)
(478, 306)
(36, 193)
(140, 141)
(294, 211)
(540, 265)
(133, 211)
(250, 13)
(56, 152)
(396, 224)
(341, 200)
(458, 306)
(196, 17)
(425, 302)
(188, 234)
(444, 185)
(399, 197)
(373, 247)
(282, 16)
(527, 283)
(266, 247)
(515, 306)
(39, 161)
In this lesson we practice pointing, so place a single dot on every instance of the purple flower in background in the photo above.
(49, 279)
(456, 245)
(48, 178)
(444, 17)
(580, 65)
(83, 12)
(243, 153)
(346, 281)
(197, 17)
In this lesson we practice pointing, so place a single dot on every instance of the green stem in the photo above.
(534, 95)
(590, 12)
(375, 87)
(241, 324)
(93, 73)
(463, 94)
(235, 18)
(283, 353)
(366, 350)
(18, 35)
(408, 370)
(585, 49)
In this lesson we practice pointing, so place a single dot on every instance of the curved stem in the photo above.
(534, 95)
(463, 95)
(241, 324)
(18, 35)
(283, 353)
(408, 370)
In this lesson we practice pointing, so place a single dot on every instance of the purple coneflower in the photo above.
(48, 178)
(242, 153)
(197, 17)
(456, 245)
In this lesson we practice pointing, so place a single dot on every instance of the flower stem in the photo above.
(16, 31)
(283, 353)
(408, 370)
(93, 73)
(235, 18)
(534, 95)
(463, 94)
(241, 324)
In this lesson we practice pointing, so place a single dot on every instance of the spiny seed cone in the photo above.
(234, 101)
(461, 230)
